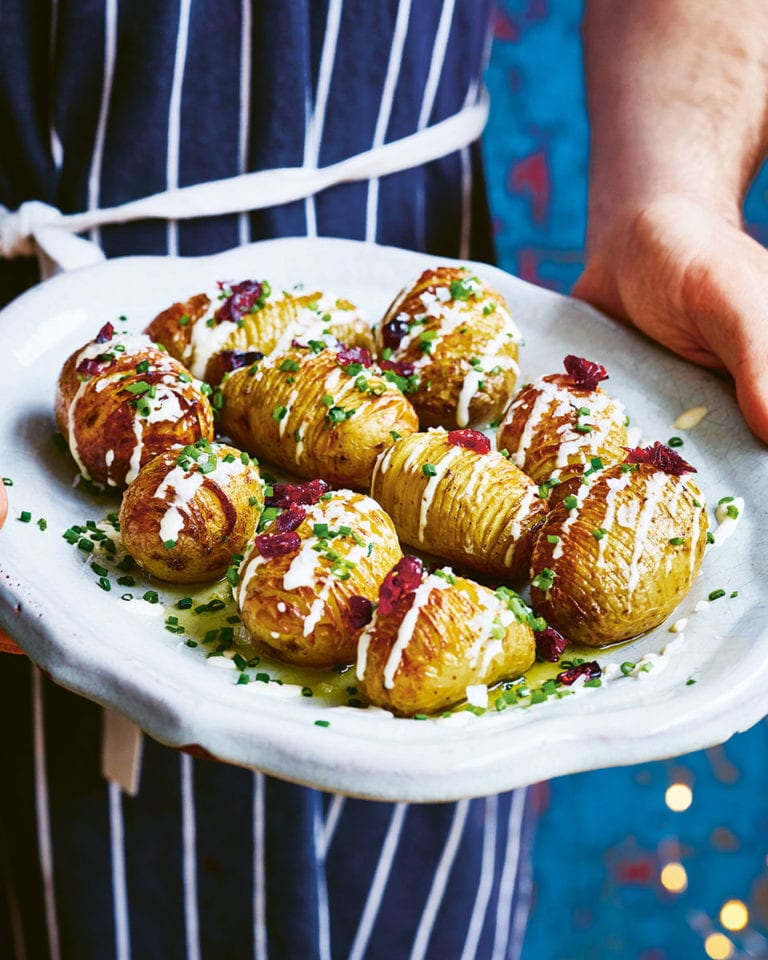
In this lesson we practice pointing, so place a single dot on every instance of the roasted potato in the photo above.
(613, 561)
(434, 635)
(121, 400)
(190, 509)
(313, 572)
(557, 425)
(458, 335)
(316, 411)
(214, 334)
(451, 495)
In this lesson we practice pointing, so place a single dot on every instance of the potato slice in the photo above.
(434, 635)
(297, 582)
(559, 424)
(210, 333)
(316, 411)
(120, 401)
(190, 509)
(614, 560)
(459, 336)
(473, 508)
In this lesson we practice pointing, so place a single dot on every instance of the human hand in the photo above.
(693, 280)
(6, 644)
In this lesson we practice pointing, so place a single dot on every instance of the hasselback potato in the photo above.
(121, 400)
(451, 495)
(190, 509)
(434, 635)
(305, 588)
(212, 334)
(316, 411)
(558, 424)
(614, 560)
(458, 336)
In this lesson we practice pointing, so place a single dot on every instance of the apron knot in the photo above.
(18, 227)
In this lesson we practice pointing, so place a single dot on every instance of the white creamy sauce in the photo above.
(654, 491)
(407, 625)
(679, 625)
(725, 524)
(428, 493)
(477, 695)
(178, 488)
(515, 527)
(615, 486)
(581, 494)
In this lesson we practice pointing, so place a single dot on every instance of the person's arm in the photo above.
(678, 101)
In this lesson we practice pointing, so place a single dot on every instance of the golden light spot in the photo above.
(674, 878)
(718, 946)
(734, 915)
(678, 797)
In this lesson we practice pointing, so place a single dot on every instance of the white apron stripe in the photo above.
(189, 858)
(317, 122)
(259, 872)
(119, 890)
(385, 109)
(331, 821)
(522, 910)
(57, 150)
(439, 882)
(45, 849)
(509, 875)
(246, 30)
(484, 888)
(97, 158)
(323, 915)
(436, 63)
(379, 883)
(174, 118)
(466, 203)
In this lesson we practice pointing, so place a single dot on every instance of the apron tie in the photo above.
(39, 228)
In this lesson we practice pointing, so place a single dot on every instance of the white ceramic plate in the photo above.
(118, 652)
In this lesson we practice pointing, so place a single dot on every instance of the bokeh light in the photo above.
(718, 946)
(734, 915)
(678, 797)
(674, 878)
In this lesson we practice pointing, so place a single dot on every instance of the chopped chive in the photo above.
(570, 502)
(25, 516)
(42, 523)
(7, 482)
(322, 723)
(677, 541)
(716, 594)
(243, 679)
(675, 442)
(599, 533)
(429, 470)
(184, 604)
(151, 596)
(104, 583)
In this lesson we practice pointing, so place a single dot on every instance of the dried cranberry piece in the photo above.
(589, 670)
(403, 579)
(234, 359)
(284, 494)
(290, 518)
(360, 612)
(550, 644)
(241, 301)
(660, 456)
(584, 373)
(393, 331)
(91, 366)
(105, 334)
(471, 439)
(347, 355)
(277, 544)
(401, 367)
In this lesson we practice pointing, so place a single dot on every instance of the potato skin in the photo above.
(478, 510)
(282, 410)
(208, 516)
(444, 335)
(206, 334)
(548, 438)
(294, 606)
(421, 657)
(630, 579)
(100, 416)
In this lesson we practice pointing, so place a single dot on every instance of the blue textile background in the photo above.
(605, 837)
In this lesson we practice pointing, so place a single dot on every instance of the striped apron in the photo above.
(335, 104)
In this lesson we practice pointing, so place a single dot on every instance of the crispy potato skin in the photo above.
(294, 606)
(266, 329)
(444, 648)
(108, 437)
(627, 582)
(478, 510)
(215, 514)
(297, 381)
(540, 431)
(173, 327)
(478, 327)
